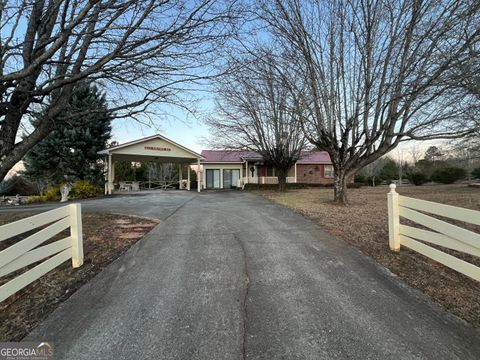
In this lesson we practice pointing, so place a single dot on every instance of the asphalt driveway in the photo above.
(229, 275)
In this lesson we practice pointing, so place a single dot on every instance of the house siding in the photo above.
(312, 174)
(306, 173)
(221, 167)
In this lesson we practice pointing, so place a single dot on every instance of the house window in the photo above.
(270, 171)
(328, 171)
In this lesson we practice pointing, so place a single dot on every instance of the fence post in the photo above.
(393, 219)
(76, 234)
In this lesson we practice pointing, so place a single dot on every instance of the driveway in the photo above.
(229, 275)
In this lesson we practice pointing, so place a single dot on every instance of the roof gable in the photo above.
(156, 145)
(314, 157)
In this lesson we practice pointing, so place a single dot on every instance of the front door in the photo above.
(213, 178)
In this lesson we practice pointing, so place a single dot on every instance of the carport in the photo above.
(153, 148)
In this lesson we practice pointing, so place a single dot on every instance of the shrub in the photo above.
(52, 194)
(476, 173)
(360, 179)
(36, 198)
(290, 186)
(83, 189)
(251, 186)
(448, 175)
(417, 178)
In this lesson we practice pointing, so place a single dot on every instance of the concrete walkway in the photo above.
(229, 275)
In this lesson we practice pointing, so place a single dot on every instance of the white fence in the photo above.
(445, 234)
(26, 252)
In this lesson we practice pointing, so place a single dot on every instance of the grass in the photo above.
(106, 237)
(364, 224)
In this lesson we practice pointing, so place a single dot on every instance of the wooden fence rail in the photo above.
(444, 234)
(27, 252)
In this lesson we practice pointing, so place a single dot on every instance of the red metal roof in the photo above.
(238, 156)
(219, 156)
(315, 157)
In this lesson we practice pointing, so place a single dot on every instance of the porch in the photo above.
(264, 180)
(153, 149)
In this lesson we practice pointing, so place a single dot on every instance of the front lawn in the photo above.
(364, 224)
(105, 238)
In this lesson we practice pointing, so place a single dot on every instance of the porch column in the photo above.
(180, 176)
(295, 172)
(241, 175)
(113, 174)
(106, 170)
(110, 181)
(199, 176)
(247, 171)
(221, 178)
(188, 177)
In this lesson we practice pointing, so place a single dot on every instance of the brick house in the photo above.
(234, 168)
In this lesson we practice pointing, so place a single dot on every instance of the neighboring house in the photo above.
(223, 169)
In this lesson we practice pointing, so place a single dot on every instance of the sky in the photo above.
(180, 127)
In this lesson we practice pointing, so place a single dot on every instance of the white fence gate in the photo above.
(26, 252)
(445, 234)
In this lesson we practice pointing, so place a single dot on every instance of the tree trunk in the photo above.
(282, 180)
(340, 187)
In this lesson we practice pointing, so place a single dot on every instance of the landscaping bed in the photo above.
(105, 238)
(364, 224)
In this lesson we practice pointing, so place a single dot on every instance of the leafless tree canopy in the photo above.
(141, 52)
(255, 111)
(376, 72)
(162, 172)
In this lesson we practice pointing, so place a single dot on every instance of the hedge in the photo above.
(290, 186)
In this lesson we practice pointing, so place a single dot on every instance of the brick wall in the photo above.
(312, 174)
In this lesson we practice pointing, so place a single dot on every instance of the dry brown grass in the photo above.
(106, 237)
(363, 223)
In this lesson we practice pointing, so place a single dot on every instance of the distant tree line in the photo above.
(436, 165)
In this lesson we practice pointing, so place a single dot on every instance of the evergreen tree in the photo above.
(70, 152)
(389, 171)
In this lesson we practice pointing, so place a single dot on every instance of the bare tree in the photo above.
(162, 172)
(401, 162)
(466, 154)
(415, 153)
(255, 111)
(372, 170)
(142, 52)
(374, 72)
(432, 154)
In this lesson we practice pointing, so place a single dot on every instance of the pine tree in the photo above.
(70, 152)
